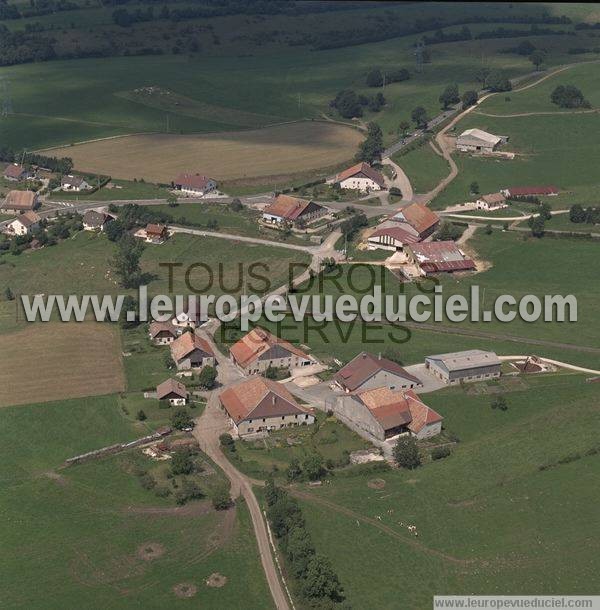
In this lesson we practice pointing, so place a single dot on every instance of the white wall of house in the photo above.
(481, 204)
(198, 192)
(291, 361)
(17, 228)
(250, 426)
(177, 402)
(389, 380)
(186, 364)
(429, 431)
(360, 183)
(165, 340)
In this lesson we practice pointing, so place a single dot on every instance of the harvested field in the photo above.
(281, 149)
(52, 361)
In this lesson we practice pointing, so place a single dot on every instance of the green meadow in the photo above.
(489, 519)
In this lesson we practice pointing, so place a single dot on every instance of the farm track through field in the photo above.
(381, 526)
(541, 113)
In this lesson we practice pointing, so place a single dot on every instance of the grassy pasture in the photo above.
(283, 149)
(424, 167)
(489, 521)
(81, 265)
(73, 360)
(82, 543)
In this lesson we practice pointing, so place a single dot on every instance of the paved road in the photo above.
(209, 426)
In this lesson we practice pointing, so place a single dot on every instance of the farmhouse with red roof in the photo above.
(384, 413)
(259, 349)
(191, 351)
(260, 405)
(292, 210)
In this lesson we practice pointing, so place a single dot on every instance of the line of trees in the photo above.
(351, 105)
(318, 582)
(588, 215)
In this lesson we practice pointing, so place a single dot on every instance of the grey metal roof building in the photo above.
(469, 365)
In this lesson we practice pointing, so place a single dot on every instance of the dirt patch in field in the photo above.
(58, 478)
(185, 590)
(280, 149)
(78, 359)
(376, 484)
(150, 551)
(216, 580)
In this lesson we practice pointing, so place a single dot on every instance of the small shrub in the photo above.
(439, 453)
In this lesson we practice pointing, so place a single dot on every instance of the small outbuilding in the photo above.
(156, 233)
(173, 391)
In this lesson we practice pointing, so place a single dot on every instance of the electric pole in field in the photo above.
(5, 97)
(419, 48)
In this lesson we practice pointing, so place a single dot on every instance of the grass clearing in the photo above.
(75, 360)
(486, 516)
(424, 167)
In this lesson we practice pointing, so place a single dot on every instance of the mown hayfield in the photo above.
(489, 521)
(283, 149)
(50, 361)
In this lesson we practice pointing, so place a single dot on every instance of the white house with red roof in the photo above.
(261, 405)
(24, 224)
(195, 185)
(360, 177)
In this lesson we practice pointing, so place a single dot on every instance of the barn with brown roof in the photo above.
(259, 350)
(17, 202)
(384, 413)
(360, 177)
(366, 371)
(15, 172)
(292, 210)
(191, 352)
(438, 257)
(260, 405)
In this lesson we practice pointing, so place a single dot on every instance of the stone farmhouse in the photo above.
(24, 224)
(470, 365)
(96, 221)
(173, 391)
(365, 372)
(490, 202)
(360, 177)
(195, 185)
(384, 413)
(17, 202)
(260, 405)
(292, 210)
(15, 173)
(259, 349)
(477, 140)
(162, 333)
(409, 225)
(435, 257)
(74, 183)
(191, 352)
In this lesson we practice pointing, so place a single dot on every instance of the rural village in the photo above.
(188, 461)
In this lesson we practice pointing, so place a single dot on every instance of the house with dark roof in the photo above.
(190, 351)
(435, 257)
(162, 333)
(15, 172)
(383, 413)
(17, 202)
(172, 391)
(292, 210)
(360, 177)
(74, 183)
(261, 405)
(24, 224)
(366, 371)
(469, 365)
(259, 350)
(195, 185)
(96, 221)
